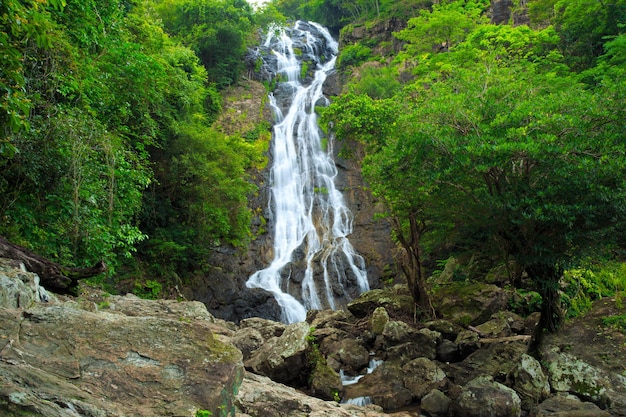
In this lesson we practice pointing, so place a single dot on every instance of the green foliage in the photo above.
(443, 27)
(353, 55)
(496, 145)
(203, 413)
(24, 23)
(149, 290)
(376, 82)
(360, 116)
(215, 30)
(525, 302)
(582, 286)
(618, 322)
(99, 104)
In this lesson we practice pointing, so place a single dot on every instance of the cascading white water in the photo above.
(310, 218)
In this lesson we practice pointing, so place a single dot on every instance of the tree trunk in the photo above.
(413, 268)
(52, 276)
(547, 277)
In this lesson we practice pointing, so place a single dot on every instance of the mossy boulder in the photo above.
(395, 300)
(469, 303)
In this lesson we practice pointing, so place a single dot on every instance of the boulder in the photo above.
(383, 386)
(19, 288)
(468, 342)
(568, 373)
(284, 358)
(483, 397)
(421, 376)
(435, 404)
(398, 333)
(448, 329)
(336, 319)
(469, 303)
(396, 299)
(324, 382)
(247, 340)
(496, 327)
(351, 354)
(564, 405)
(402, 343)
(530, 382)
(260, 396)
(378, 320)
(61, 360)
(342, 351)
(448, 352)
(267, 328)
(497, 360)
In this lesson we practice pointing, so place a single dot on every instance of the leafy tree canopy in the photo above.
(107, 141)
(498, 145)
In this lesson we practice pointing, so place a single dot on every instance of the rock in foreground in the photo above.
(137, 358)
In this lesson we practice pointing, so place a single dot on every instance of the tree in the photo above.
(441, 28)
(538, 160)
(22, 22)
(216, 30)
(385, 168)
(497, 146)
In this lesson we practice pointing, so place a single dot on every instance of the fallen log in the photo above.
(521, 337)
(52, 276)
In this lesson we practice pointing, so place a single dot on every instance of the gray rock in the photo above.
(421, 375)
(403, 343)
(61, 360)
(498, 327)
(395, 299)
(496, 360)
(19, 288)
(530, 382)
(483, 397)
(267, 328)
(384, 386)
(435, 404)
(283, 358)
(563, 405)
(260, 396)
(568, 373)
(378, 320)
(448, 351)
(448, 329)
(247, 340)
(469, 303)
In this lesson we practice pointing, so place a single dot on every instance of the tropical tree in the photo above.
(216, 30)
(22, 22)
(497, 146)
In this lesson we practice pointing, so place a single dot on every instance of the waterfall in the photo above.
(314, 265)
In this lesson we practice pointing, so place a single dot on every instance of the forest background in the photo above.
(505, 143)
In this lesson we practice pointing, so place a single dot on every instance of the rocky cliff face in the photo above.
(504, 11)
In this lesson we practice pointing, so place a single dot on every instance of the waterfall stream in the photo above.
(314, 265)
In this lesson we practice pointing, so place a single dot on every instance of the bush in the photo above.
(353, 55)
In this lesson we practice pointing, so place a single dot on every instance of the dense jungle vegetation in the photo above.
(500, 142)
